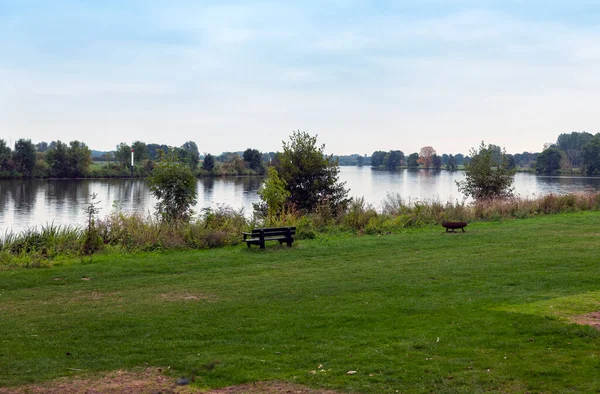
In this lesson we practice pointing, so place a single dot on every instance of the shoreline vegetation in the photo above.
(573, 153)
(119, 233)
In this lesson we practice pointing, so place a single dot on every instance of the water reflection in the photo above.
(36, 202)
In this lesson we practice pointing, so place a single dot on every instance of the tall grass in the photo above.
(127, 233)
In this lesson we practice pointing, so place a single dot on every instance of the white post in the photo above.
(132, 163)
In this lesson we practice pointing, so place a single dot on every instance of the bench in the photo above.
(259, 236)
(454, 225)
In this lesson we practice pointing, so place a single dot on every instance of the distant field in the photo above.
(420, 311)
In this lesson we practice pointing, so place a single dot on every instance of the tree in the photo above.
(209, 162)
(591, 156)
(173, 184)
(24, 157)
(549, 161)
(123, 154)
(79, 159)
(311, 177)
(360, 161)
(572, 144)
(188, 152)
(6, 163)
(426, 156)
(57, 158)
(486, 177)
(436, 162)
(451, 164)
(377, 158)
(254, 159)
(393, 159)
(154, 150)
(412, 161)
(41, 146)
(140, 152)
(273, 193)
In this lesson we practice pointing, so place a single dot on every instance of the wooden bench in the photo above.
(454, 225)
(259, 236)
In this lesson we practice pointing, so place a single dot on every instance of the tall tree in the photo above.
(591, 156)
(451, 165)
(123, 154)
(487, 177)
(254, 159)
(377, 158)
(6, 163)
(393, 159)
(188, 152)
(24, 157)
(572, 144)
(209, 162)
(311, 177)
(57, 158)
(549, 161)
(140, 152)
(426, 156)
(79, 159)
(413, 160)
(436, 162)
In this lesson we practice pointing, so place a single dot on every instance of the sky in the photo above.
(362, 75)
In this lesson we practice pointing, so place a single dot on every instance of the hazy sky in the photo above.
(363, 75)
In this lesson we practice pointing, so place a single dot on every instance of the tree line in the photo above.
(575, 152)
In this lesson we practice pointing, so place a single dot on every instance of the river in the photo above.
(32, 203)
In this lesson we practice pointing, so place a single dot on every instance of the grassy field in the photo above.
(418, 311)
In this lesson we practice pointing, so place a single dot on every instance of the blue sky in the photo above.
(363, 75)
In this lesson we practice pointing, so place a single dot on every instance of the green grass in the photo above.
(417, 311)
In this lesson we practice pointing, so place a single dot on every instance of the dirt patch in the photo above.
(269, 388)
(175, 296)
(151, 381)
(589, 319)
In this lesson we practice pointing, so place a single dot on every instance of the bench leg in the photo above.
(463, 229)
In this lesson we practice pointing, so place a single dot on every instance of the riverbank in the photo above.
(492, 309)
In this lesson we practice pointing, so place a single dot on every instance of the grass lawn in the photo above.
(487, 310)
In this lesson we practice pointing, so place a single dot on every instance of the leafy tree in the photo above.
(140, 152)
(413, 160)
(311, 177)
(360, 161)
(549, 161)
(57, 158)
(24, 157)
(377, 158)
(123, 154)
(486, 177)
(6, 164)
(79, 159)
(154, 150)
(426, 156)
(254, 159)
(273, 193)
(173, 184)
(451, 164)
(188, 152)
(436, 162)
(591, 156)
(41, 146)
(209, 162)
(393, 159)
(572, 144)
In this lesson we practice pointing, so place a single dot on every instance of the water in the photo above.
(38, 202)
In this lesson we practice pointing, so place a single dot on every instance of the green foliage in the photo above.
(254, 159)
(591, 156)
(436, 162)
(549, 161)
(24, 157)
(377, 158)
(79, 159)
(487, 175)
(393, 159)
(91, 241)
(273, 193)
(57, 158)
(173, 184)
(311, 177)
(188, 153)
(572, 144)
(451, 165)
(413, 160)
(208, 164)
(140, 150)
